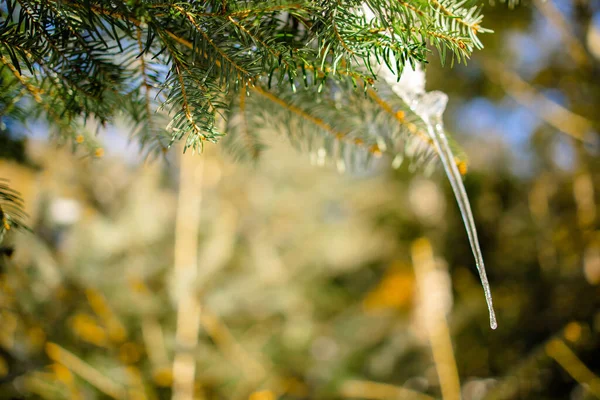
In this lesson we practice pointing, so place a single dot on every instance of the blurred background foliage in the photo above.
(311, 284)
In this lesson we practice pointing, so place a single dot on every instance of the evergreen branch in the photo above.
(280, 59)
(201, 106)
(241, 13)
(190, 18)
(51, 110)
(110, 13)
(412, 8)
(283, 7)
(149, 130)
(185, 104)
(18, 45)
(242, 140)
(460, 43)
(94, 48)
(215, 44)
(145, 83)
(344, 127)
(335, 134)
(184, 42)
(34, 91)
(298, 111)
(51, 72)
(205, 107)
(337, 32)
(254, 37)
(78, 76)
(320, 72)
(473, 26)
(467, 21)
(253, 148)
(400, 117)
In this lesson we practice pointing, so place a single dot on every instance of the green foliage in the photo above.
(151, 62)
(351, 130)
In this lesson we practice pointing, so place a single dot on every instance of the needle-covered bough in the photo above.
(327, 72)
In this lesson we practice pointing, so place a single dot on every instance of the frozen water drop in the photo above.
(435, 129)
(432, 104)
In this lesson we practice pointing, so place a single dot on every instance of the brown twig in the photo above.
(566, 358)
(555, 115)
(378, 391)
(574, 47)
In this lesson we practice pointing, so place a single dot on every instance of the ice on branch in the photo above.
(429, 107)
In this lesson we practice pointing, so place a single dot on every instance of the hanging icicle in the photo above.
(429, 107)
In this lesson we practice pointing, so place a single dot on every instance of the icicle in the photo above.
(430, 107)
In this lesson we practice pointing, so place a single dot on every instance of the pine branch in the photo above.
(344, 126)
(399, 116)
(33, 91)
(215, 49)
(224, 57)
(253, 146)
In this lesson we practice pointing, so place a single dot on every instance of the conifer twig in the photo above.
(212, 43)
(469, 25)
(337, 135)
(248, 139)
(399, 116)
